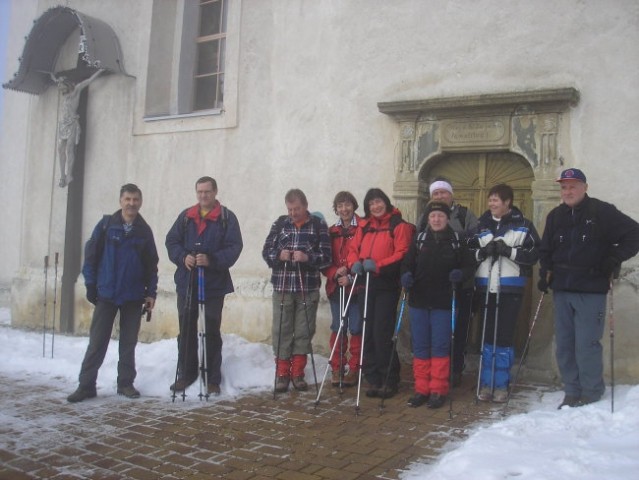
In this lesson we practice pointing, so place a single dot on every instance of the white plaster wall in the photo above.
(13, 139)
(310, 76)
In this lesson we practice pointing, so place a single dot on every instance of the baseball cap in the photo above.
(572, 174)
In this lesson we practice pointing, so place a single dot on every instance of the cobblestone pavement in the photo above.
(254, 437)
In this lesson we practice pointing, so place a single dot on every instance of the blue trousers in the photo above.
(579, 326)
(430, 332)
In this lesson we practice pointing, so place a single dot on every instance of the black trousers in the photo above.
(504, 315)
(381, 316)
(462, 323)
(188, 359)
(100, 335)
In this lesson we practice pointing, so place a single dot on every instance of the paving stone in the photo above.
(250, 438)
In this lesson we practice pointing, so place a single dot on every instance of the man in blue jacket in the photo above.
(121, 274)
(584, 243)
(205, 236)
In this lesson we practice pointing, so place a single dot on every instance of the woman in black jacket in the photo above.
(436, 263)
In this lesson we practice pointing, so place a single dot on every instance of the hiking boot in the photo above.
(129, 391)
(299, 384)
(335, 377)
(500, 395)
(485, 395)
(350, 379)
(585, 401)
(389, 391)
(281, 383)
(213, 389)
(436, 400)
(374, 391)
(417, 400)
(569, 401)
(182, 384)
(82, 394)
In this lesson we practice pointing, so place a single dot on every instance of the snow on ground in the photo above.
(587, 443)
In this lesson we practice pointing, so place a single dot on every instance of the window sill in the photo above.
(199, 113)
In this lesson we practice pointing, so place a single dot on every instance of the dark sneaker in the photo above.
(436, 400)
(82, 394)
(281, 383)
(129, 391)
(182, 384)
(213, 389)
(300, 384)
(569, 401)
(417, 400)
(388, 391)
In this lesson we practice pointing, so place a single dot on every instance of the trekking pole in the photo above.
(201, 323)
(398, 326)
(184, 334)
(496, 325)
(44, 314)
(483, 333)
(308, 325)
(611, 321)
(524, 354)
(361, 354)
(341, 325)
(279, 333)
(342, 322)
(55, 298)
(453, 312)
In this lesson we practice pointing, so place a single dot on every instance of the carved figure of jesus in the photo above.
(69, 124)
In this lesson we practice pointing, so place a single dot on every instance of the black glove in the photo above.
(543, 284)
(502, 249)
(370, 265)
(609, 266)
(92, 293)
(358, 268)
(455, 276)
(407, 280)
(485, 252)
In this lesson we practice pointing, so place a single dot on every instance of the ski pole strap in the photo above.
(200, 284)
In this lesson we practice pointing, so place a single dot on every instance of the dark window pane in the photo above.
(207, 57)
(205, 92)
(210, 14)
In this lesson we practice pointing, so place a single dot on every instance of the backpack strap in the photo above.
(462, 212)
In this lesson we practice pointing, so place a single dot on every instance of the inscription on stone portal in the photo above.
(475, 133)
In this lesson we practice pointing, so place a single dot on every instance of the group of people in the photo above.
(443, 265)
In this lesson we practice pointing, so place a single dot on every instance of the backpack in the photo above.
(420, 240)
(394, 221)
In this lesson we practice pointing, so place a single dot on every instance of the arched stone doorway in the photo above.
(531, 127)
(473, 175)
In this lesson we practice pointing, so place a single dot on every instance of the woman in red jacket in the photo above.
(347, 354)
(378, 248)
